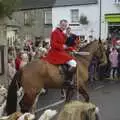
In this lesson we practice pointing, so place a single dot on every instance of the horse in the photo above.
(77, 110)
(41, 74)
(97, 50)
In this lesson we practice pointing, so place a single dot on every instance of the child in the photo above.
(113, 57)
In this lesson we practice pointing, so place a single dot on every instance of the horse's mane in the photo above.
(87, 45)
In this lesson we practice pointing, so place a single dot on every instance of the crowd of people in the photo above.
(111, 70)
(18, 58)
(113, 66)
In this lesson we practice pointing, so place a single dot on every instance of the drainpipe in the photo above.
(100, 15)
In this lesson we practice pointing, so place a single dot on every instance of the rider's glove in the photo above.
(65, 46)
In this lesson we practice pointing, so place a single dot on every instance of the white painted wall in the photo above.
(91, 11)
(108, 7)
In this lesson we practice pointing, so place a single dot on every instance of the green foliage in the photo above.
(7, 7)
(84, 20)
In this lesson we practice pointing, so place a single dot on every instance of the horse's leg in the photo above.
(84, 94)
(69, 94)
(28, 100)
(35, 103)
(63, 93)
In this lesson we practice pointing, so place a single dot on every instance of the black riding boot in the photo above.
(69, 78)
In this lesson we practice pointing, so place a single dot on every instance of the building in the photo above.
(103, 16)
(36, 19)
(110, 18)
(72, 10)
(33, 20)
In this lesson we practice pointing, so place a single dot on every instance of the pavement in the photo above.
(105, 94)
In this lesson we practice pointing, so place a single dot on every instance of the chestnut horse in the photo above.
(41, 74)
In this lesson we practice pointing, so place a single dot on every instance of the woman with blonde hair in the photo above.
(77, 110)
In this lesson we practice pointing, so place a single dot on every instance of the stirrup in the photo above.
(72, 69)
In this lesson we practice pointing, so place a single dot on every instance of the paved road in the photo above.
(105, 95)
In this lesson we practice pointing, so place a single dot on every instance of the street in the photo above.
(104, 94)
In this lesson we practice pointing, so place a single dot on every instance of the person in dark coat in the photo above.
(72, 40)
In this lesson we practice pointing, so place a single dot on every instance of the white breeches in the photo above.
(72, 63)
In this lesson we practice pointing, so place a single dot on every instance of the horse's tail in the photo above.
(12, 93)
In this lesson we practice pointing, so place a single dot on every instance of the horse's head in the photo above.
(100, 52)
(77, 110)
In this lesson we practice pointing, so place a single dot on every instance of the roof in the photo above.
(74, 2)
(35, 4)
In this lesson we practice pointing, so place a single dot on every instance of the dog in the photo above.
(3, 94)
(27, 116)
(19, 116)
(2, 108)
(48, 114)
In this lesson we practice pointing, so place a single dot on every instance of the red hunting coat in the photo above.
(57, 54)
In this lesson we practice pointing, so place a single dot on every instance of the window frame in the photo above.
(46, 21)
(27, 18)
(72, 18)
(117, 1)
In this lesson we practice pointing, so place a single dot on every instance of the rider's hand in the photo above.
(65, 46)
(74, 51)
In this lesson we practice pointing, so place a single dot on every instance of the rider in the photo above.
(72, 40)
(57, 53)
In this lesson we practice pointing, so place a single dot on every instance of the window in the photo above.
(28, 36)
(48, 17)
(27, 18)
(117, 1)
(74, 15)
